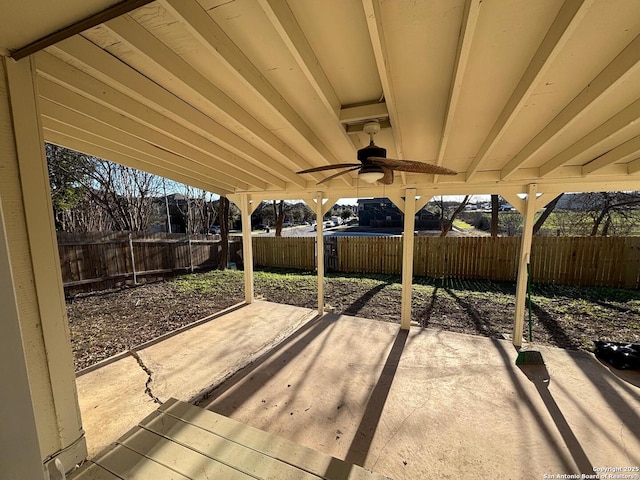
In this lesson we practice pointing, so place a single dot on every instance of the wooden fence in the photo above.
(284, 252)
(95, 261)
(103, 261)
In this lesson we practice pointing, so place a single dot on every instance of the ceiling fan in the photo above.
(374, 166)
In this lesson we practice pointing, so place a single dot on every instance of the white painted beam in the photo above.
(407, 257)
(624, 119)
(57, 113)
(625, 152)
(376, 34)
(362, 113)
(614, 74)
(247, 249)
(56, 72)
(220, 46)
(285, 23)
(74, 139)
(129, 127)
(523, 261)
(565, 23)
(469, 22)
(117, 74)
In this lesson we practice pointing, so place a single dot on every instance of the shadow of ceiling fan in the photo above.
(374, 165)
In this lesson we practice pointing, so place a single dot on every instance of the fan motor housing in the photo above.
(371, 151)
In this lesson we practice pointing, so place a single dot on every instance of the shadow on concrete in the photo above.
(361, 443)
(568, 465)
(539, 376)
(282, 353)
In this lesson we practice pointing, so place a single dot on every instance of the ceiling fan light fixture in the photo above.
(371, 176)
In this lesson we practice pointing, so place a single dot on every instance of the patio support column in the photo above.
(247, 248)
(407, 257)
(320, 251)
(33, 300)
(20, 452)
(530, 209)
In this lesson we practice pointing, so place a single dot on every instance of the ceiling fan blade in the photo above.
(388, 176)
(411, 166)
(330, 167)
(338, 174)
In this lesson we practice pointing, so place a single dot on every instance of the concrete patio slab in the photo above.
(434, 404)
(114, 397)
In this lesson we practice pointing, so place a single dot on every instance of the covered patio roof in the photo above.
(235, 97)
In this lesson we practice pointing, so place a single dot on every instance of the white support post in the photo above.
(407, 257)
(20, 453)
(320, 251)
(247, 248)
(525, 253)
(35, 265)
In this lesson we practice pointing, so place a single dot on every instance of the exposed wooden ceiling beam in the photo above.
(568, 18)
(629, 150)
(96, 111)
(612, 75)
(75, 139)
(615, 125)
(142, 41)
(170, 160)
(289, 30)
(107, 14)
(362, 113)
(122, 77)
(469, 22)
(634, 167)
(73, 79)
(378, 43)
(211, 36)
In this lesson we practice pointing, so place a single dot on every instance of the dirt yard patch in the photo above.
(104, 324)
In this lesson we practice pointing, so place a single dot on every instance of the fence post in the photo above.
(133, 261)
(190, 252)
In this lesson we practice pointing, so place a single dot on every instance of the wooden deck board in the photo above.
(180, 441)
(223, 450)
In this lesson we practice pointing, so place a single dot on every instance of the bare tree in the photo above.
(125, 194)
(449, 211)
(223, 215)
(278, 211)
(547, 212)
(494, 215)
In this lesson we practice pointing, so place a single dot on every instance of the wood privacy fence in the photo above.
(588, 261)
(98, 261)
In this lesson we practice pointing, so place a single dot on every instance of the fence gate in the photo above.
(331, 253)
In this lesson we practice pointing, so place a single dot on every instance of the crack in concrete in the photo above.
(149, 372)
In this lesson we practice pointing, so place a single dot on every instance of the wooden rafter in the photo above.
(622, 153)
(566, 21)
(125, 79)
(55, 93)
(64, 116)
(376, 34)
(614, 126)
(220, 46)
(612, 75)
(469, 22)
